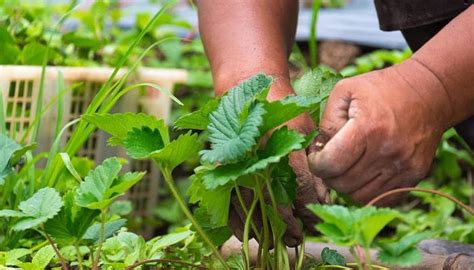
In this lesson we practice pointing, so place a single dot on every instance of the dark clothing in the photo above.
(403, 14)
(419, 21)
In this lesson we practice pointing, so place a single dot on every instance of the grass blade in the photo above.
(83, 130)
(39, 100)
(3, 126)
(313, 49)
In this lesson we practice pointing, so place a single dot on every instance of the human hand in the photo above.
(382, 130)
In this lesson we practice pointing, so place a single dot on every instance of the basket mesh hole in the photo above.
(19, 106)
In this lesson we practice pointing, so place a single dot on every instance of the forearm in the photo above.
(245, 37)
(448, 59)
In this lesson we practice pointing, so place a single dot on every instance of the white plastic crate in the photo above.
(20, 86)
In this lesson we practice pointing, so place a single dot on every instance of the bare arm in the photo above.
(245, 37)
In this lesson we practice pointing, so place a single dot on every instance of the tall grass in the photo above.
(313, 45)
(103, 102)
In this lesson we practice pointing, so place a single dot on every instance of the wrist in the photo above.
(430, 91)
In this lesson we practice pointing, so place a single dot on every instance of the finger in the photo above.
(293, 233)
(306, 195)
(336, 112)
(235, 224)
(340, 153)
(365, 171)
(376, 188)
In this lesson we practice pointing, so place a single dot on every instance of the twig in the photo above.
(165, 261)
(103, 216)
(60, 257)
(432, 191)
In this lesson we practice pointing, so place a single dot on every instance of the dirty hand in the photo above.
(381, 131)
(310, 189)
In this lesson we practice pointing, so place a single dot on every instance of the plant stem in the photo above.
(436, 192)
(300, 258)
(246, 212)
(169, 181)
(356, 258)
(280, 248)
(368, 259)
(38, 246)
(313, 50)
(164, 261)
(103, 218)
(56, 250)
(266, 231)
(245, 245)
(79, 256)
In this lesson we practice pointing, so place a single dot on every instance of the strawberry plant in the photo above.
(238, 158)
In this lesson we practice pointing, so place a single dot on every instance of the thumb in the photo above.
(340, 153)
(336, 111)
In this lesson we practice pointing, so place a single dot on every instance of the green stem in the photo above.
(39, 246)
(103, 219)
(245, 246)
(266, 231)
(277, 255)
(246, 212)
(368, 259)
(313, 50)
(356, 258)
(300, 258)
(169, 181)
(79, 256)
(56, 250)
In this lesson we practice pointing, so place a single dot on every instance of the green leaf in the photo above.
(332, 257)
(8, 147)
(10, 54)
(281, 143)
(81, 40)
(317, 82)
(120, 124)
(102, 185)
(199, 119)
(43, 257)
(111, 227)
(233, 127)
(33, 54)
(11, 213)
(67, 162)
(168, 240)
(141, 142)
(405, 243)
(348, 226)
(231, 140)
(214, 202)
(40, 207)
(217, 233)
(407, 258)
(284, 182)
(12, 257)
(185, 147)
(283, 110)
(5, 36)
(70, 225)
(335, 234)
(371, 221)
